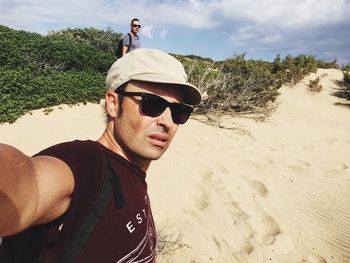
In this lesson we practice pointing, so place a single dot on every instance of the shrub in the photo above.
(236, 85)
(24, 90)
(104, 40)
(35, 52)
(324, 64)
(16, 47)
(346, 79)
(315, 86)
(291, 69)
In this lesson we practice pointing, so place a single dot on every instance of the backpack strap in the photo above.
(130, 40)
(96, 213)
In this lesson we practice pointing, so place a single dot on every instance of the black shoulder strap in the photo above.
(95, 214)
(130, 40)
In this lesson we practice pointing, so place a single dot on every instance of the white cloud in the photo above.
(250, 24)
(286, 13)
(103, 12)
(162, 34)
(190, 13)
(151, 31)
(148, 31)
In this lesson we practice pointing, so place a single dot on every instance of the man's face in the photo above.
(142, 138)
(135, 26)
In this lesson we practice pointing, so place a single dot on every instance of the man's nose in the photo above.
(165, 119)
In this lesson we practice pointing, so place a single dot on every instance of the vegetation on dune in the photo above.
(104, 40)
(70, 66)
(22, 90)
(344, 90)
(241, 86)
(315, 86)
(41, 71)
(346, 71)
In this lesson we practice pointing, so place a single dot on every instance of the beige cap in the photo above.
(155, 66)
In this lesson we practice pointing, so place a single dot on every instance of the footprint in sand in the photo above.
(308, 146)
(266, 228)
(299, 166)
(201, 200)
(335, 169)
(271, 229)
(245, 245)
(331, 141)
(203, 172)
(335, 166)
(259, 187)
(217, 166)
(260, 162)
(316, 259)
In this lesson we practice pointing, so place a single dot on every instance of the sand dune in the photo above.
(273, 191)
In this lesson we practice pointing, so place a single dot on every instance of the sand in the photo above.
(272, 191)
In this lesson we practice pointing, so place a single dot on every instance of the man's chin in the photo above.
(154, 155)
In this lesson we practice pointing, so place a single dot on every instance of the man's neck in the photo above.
(107, 139)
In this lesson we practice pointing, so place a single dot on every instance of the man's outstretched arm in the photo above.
(33, 190)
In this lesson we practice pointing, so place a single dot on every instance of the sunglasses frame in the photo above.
(139, 26)
(177, 109)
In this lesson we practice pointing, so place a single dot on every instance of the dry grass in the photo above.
(167, 244)
(315, 86)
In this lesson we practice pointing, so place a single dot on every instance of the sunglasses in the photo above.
(153, 106)
(136, 26)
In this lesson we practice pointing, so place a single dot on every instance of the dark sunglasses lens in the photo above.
(152, 105)
(136, 26)
(180, 113)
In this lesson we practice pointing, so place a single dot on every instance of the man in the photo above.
(132, 37)
(49, 198)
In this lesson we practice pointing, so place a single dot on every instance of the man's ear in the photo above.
(112, 103)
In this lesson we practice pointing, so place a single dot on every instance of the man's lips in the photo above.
(159, 140)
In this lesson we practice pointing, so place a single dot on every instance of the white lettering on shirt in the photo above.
(130, 227)
(140, 217)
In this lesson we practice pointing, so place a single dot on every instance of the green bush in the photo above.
(69, 66)
(236, 85)
(42, 71)
(32, 51)
(16, 47)
(291, 69)
(24, 90)
(347, 77)
(346, 89)
(324, 64)
(315, 86)
(104, 40)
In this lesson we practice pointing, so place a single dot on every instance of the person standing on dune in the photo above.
(131, 40)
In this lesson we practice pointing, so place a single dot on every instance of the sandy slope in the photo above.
(276, 191)
(277, 194)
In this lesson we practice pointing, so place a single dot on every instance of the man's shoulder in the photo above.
(127, 36)
(75, 146)
(76, 153)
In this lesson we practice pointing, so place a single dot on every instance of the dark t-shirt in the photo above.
(124, 234)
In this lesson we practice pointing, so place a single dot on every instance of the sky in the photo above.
(216, 29)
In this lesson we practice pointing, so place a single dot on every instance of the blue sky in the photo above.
(209, 28)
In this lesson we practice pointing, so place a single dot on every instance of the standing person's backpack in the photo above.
(120, 46)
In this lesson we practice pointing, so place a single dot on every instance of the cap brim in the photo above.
(192, 94)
